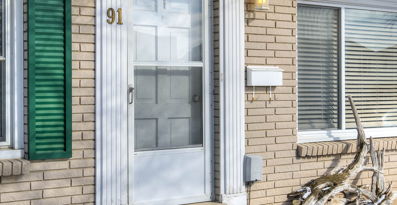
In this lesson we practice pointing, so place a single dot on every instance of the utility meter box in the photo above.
(264, 76)
(253, 167)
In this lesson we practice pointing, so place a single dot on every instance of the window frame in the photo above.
(342, 133)
(13, 147)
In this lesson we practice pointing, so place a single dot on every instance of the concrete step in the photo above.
(207, 203)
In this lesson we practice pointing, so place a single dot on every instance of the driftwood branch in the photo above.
(321, 190)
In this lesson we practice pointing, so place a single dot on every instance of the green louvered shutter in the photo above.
(50, 125)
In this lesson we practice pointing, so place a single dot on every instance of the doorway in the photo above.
(169, 102)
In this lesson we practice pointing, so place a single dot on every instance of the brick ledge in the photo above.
(14, 167)
(341, 147)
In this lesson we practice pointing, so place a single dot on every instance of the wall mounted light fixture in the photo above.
(262, 4)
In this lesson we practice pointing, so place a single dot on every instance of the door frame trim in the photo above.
(111, 88)
(232, 101)
(112, 162)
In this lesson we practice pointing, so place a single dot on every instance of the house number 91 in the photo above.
(111, 13)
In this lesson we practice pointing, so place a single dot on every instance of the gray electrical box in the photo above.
(253, 167)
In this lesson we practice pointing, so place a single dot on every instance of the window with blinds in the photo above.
(318, 68)
(371, 66)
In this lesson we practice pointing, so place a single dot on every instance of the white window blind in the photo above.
(371, 66)
(318, 67)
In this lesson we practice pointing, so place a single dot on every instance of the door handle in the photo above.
(130, 94)
(196, 98)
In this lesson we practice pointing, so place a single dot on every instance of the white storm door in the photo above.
(168, 113)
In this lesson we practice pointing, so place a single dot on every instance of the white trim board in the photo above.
(338, 135)
(235, 199)
(14, 80)
(11, 154)
(232, 89)
(17, 81)
(111, 88)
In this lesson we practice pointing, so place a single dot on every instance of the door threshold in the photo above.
(207, 203)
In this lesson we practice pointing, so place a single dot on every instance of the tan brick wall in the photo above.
(271, 117)
(271, 122)
(66, 181)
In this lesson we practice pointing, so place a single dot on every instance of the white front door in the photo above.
(168, 103)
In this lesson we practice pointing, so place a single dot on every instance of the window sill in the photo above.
(12, 163)
(339, 135)
(11, 154)
(341, 147)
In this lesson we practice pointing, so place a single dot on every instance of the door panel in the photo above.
(159, 177)
(180, 132)
(145, 85)
(180, 6)
(145, 133)
(174, 44)
(180, 86)
(148, 5)
(145, 40)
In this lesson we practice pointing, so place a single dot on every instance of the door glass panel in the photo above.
(168, 107)
(167, 30)
(168, 99)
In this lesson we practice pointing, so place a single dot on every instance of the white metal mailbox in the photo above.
(264, 76)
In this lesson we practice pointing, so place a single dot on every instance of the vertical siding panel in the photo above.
(112, 134)
(232, 96)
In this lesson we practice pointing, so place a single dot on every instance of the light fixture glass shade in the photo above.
(262, 4)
